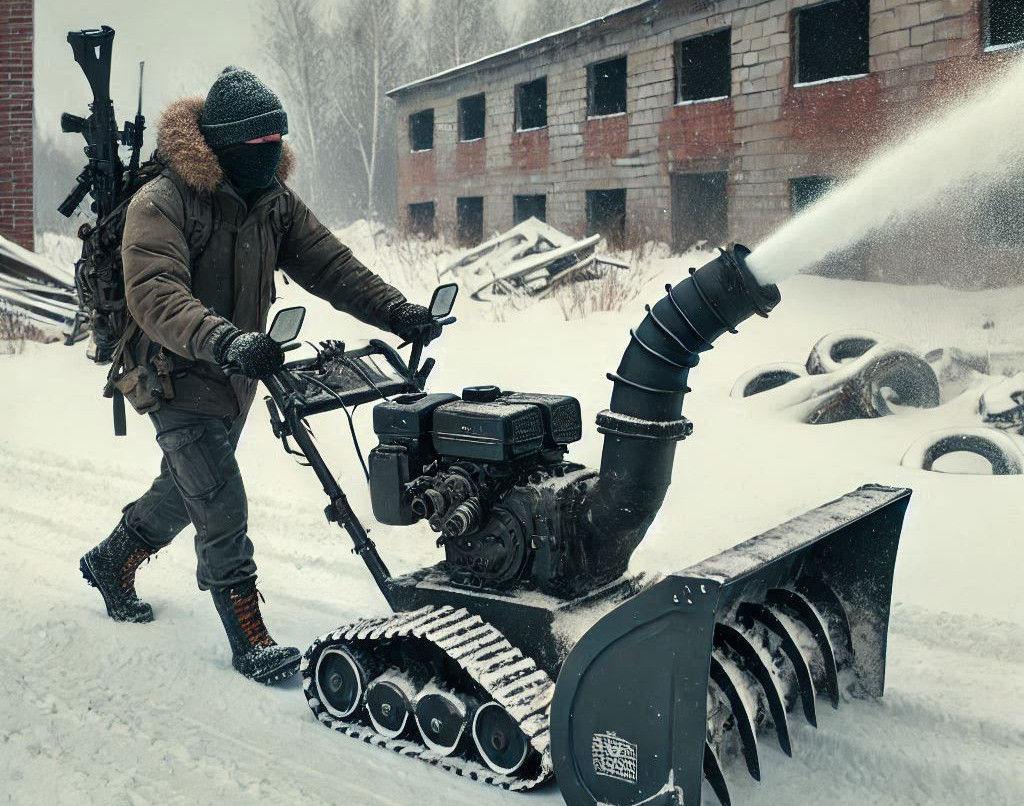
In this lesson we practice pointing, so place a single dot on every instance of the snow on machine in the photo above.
(528, 651)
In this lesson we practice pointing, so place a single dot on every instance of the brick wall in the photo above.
(16, 221)
(768, 132)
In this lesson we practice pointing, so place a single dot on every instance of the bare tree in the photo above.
(298, 47)
(460, 31)
(536, 18)
(375, 39)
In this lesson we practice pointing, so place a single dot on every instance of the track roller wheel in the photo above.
(442, 718)
(499, 740)
(340, 680)
(389, 702)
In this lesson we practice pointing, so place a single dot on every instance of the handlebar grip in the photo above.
(287, 348)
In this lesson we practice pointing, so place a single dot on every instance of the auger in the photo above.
(529, 651)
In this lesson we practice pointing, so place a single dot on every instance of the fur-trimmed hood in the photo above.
(182, 146)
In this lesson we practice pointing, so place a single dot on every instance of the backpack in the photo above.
(99, 279)
(99, 273)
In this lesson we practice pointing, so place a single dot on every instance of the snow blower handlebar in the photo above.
(338, 377)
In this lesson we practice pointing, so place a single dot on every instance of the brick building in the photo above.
(16, 220)
(690, 119)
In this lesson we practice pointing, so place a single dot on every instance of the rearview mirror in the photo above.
(287, 324)
(443, 301)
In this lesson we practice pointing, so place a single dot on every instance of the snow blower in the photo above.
(671, 679)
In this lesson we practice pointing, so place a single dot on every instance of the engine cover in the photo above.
(487, 471)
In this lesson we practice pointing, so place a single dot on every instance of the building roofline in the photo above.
(584, 29)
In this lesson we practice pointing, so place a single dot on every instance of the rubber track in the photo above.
(510, 678)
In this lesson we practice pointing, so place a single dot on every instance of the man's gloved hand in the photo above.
(412, 322)
(256, 355)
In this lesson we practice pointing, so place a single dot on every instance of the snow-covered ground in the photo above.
(93, 712)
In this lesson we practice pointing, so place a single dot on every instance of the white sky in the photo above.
(185, 44)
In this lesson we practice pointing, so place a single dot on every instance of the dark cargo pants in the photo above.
(199, 482)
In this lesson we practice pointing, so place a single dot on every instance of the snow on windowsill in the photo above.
(605, 117)
(830, 80)
(472, 140)
(1004, 46)
(420, 150)
(703, 100)
(531, 129)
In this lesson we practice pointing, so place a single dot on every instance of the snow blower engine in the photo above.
(530, 651)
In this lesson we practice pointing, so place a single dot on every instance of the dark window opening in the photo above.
(832, 40)
(700, 210)
(472, 114)
(532, 104)
(606, 215)
(469, 214)
(806, 190)
(1005, 24)
(524, 207)
(421, 219)
(421, 130)
(1000, 218)
(606, 87)
(704, 66)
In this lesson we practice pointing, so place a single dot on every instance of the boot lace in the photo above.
(247, 610)
(131, 565)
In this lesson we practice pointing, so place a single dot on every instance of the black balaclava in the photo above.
(250, 167)
(240, 107)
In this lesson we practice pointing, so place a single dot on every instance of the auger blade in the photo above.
(629, 715)
(828, 603)
(753, 664)
(729, 686)
(715, 777)
(796, 606)
(770, 621)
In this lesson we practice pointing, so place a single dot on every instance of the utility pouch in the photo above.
(140, 387)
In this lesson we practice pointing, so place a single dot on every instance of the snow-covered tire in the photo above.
(765, 377)
(910, 380)
(833, 349)
(1001, 450)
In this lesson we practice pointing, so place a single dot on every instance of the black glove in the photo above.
(256, 355)
(412, 322)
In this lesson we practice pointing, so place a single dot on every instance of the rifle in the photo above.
(109, 182)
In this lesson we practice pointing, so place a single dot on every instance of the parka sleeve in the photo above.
(312, 256)
(157, 274)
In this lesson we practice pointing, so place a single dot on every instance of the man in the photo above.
(225, 170)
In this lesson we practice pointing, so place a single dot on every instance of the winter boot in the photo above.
(111, 566)
(255, 654)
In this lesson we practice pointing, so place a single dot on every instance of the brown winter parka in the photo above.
(179, 302)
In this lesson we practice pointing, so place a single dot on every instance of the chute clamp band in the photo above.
(622, 425)
(685, 318)
(614, 377)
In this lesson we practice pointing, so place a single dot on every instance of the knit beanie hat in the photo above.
(240, 107)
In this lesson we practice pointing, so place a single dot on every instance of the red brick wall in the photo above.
(606, 138)
(696, 131)
(530, 150)
(16, 221)
(471, 157)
